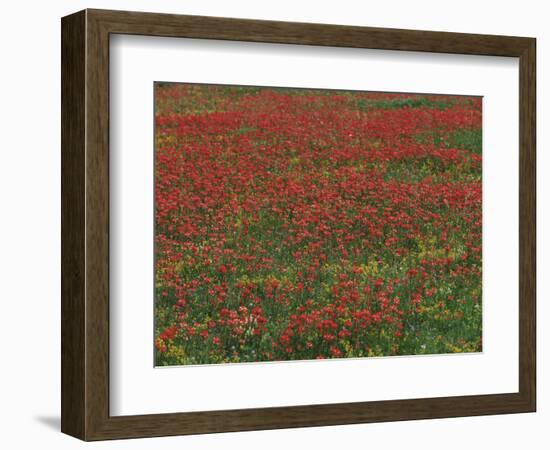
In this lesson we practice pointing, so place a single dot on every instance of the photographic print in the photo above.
(303, 224)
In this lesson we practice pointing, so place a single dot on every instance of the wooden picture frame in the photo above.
(85, 224)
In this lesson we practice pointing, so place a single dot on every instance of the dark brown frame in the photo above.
(85, 224)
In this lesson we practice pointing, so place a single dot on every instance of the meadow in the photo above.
(295, 224)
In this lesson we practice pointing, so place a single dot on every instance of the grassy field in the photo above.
(302, 224)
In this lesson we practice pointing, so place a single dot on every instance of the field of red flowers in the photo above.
(302, 224)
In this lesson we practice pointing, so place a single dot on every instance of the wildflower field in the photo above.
(296, 224)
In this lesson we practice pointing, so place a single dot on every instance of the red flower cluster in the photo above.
(303, 224)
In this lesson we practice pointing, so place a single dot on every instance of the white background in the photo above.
(139, 388)
(30, 235)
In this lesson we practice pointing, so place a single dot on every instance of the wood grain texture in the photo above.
(85, 224)
(527, 224)
(97, 225)
(73, 109)
(152, 24)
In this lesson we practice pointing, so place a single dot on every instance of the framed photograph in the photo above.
(273, 225)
